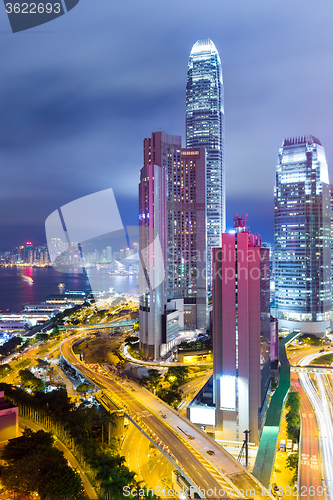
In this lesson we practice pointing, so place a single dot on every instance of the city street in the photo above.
(309, 449)
(204, 471)
(316, 447)
(148, 462)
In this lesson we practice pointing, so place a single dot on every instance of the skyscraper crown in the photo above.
(204, 46)
(303, 139)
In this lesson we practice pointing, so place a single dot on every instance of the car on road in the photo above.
(276, 491)
(210, 452)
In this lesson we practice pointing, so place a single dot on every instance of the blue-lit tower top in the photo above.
(205, 128)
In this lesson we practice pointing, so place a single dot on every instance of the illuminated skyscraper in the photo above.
(303, 237)
(241, 333)
(28, 252)
(152, 248)
(186, 207)
(186, 223)
(205, 128)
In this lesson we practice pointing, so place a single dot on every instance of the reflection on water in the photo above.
(15, 291)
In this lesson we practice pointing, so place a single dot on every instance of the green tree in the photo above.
(4, 369)
(34, 464)
(23, 446)
(177, 375)
(293, 403)
(292, 418)
(58, 480)
(114, 479)
(293, 400)
(21, 476)
(10, 346)
(29, 381)
(43, 363)
(42, 337)
(154, 377)
(83, 388)
(109, 420)
(55, 331)
(293, 431)
(292, 461)
(171, 396)
(292, 464)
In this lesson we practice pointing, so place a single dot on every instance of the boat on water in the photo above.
(28, 279)
(61, 286)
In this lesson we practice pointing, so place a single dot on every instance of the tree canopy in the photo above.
(176, 375)
(34, 464)
(10, 345)
(29, 381)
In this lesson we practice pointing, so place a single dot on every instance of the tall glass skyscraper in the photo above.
(205, 128)
(152, 250)
(302, 208)
(186, 222)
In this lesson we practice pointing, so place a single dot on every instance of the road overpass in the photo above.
(181, 439)
(121, 324)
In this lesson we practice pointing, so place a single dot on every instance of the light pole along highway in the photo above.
(214, 475)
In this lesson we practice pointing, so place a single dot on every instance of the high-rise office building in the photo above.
(28, 252)
(303, 295)
(108, 254)
(205, 128)
(186, 223)
(152, 224)
(331, 196)
(186, 208)
(158, 327)
(241, 333)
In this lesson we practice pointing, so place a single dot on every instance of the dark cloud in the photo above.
(79, 95)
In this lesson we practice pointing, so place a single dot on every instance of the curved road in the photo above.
(309, 467)
(307, 360)
(155, 470)
(204, 471)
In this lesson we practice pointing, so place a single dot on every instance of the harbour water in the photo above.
(16, 291)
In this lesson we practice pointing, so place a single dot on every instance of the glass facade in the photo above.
(186, 219)
(187, 231)
(205, 128)
(302, 235)
(152, 251)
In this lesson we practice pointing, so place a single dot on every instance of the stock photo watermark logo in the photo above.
(24, 15)
(83, 225)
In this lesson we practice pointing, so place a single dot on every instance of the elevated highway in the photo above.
(124, 323)
(216, 475)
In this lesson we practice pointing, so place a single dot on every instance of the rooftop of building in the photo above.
(4, 405)
(302, 139)
(203, 46)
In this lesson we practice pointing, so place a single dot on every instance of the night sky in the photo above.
(79, 94)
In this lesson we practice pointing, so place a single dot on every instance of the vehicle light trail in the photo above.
(307, 360)
(323, 411)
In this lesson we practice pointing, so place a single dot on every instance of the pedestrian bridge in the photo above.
(263, 466)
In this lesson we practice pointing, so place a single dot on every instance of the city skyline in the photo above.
(153, 302)
(65, 129)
